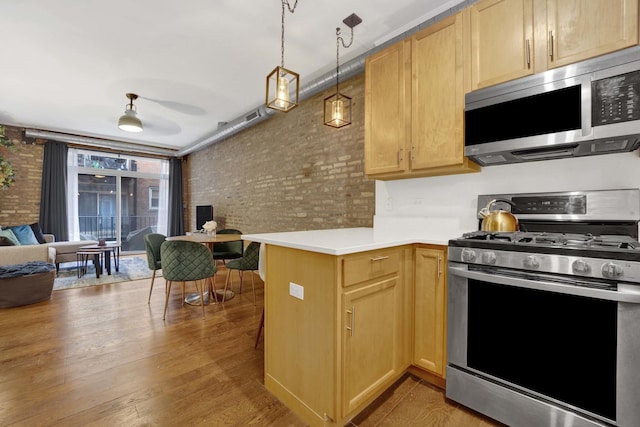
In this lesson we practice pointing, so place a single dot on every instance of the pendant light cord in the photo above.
(339, 41)
(291, 9)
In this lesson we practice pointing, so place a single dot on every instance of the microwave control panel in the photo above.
(616, 99)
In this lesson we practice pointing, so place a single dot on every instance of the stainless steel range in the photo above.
(544, 323)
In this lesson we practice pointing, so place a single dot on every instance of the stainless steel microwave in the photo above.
(588, 108)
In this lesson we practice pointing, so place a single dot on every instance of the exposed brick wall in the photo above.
(290, 172)
(20, 203)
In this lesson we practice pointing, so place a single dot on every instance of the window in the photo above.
(154, 198)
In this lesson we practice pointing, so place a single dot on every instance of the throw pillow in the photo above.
(5, 241)
(9, 235)
(37, 231)
(24, 234)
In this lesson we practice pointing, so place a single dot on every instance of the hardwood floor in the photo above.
(100, 356)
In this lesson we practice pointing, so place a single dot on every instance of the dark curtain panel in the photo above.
(176, 214)
(53, 200)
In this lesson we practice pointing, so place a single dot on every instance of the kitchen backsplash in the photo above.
(445, 206)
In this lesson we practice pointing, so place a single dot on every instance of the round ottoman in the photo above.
(28, 283)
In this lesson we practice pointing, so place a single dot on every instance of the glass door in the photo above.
(119, 198)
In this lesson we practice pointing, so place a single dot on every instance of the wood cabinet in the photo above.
(414, 105)
(515, 38)
(429, 308)
(501, 41)
(331, 353)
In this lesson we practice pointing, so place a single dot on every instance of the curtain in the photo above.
(176, 214)
(53, 197)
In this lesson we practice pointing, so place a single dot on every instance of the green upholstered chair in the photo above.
(227, 250)
(185, 261)
(248, 262)
(152, 242)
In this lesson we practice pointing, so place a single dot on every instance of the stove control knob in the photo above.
(468, 255)
(489, 258)
(611, 270)
(579, 266)
(531, 262)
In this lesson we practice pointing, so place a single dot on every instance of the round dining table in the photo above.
(210, 240)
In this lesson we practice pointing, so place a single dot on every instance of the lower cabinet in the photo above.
(337, 345)
(371, 345)
(429, 308)
(339, 330)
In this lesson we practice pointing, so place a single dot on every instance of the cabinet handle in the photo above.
(551, 45)
(411, 153)
(439, 266)
(527, 49)
(399, 155)
(352, 312)
(379, 258)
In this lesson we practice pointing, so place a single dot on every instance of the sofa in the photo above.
(49, 250)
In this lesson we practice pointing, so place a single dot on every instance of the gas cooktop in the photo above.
(579, 241)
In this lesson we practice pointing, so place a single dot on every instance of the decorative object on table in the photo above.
(337, 107)
(7, 174)
(210, 227)
(185, 261)
(248, 262)
(280, 81)
(102, 242)
(152, 243)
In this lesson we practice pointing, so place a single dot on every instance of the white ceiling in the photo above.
(67, 64)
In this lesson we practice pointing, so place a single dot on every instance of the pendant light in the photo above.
(129, 121)
(337, 107)
(283, 85)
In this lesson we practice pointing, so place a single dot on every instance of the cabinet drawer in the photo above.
(369, 265)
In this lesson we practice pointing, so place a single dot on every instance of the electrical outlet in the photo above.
(296, 290)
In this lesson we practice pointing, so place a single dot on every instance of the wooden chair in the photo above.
(186, 261)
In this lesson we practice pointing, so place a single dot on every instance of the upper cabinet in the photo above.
(515, 38)
(581, 29)
(501, 41)
(414, 105)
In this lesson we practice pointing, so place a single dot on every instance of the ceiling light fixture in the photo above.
(129, 121)
(281, 95)
(337, 107)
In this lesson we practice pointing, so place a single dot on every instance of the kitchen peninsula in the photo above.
(347, 312)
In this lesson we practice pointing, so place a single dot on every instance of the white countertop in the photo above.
(340, 241)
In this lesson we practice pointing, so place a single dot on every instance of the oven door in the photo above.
(532, 350)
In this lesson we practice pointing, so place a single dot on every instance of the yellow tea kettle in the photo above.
(498, 220)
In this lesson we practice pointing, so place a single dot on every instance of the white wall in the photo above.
(445, 207)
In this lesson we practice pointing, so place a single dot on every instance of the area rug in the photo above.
(131, 268)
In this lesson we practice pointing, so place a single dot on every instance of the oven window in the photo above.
(561, 346)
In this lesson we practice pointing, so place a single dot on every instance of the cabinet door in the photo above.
(386, 105)
(437, 95)
(430, 310)
(581, 29)
(372, 348)
(501, 41)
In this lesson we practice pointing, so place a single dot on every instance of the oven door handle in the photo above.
(563, 288)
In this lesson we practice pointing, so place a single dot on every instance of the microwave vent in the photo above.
(610, 145)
